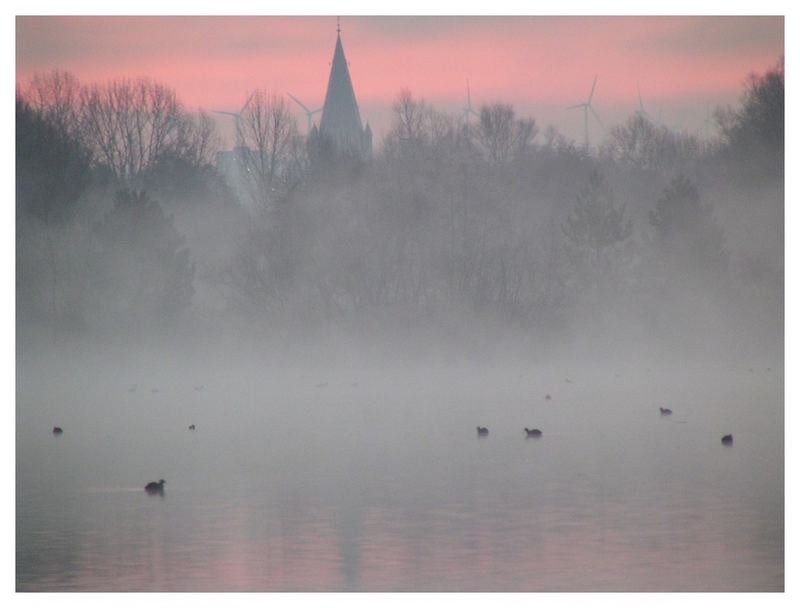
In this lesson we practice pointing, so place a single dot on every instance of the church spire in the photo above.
(341, 120)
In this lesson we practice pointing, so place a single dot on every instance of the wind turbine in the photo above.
(237, 116)
(587, 107)
(468, 110)
(641, 111)
(309, 113)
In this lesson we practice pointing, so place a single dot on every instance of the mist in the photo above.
(337, 322)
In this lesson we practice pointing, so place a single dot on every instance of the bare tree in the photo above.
(417, 126)
(640, 143)
(56, 96)
(408, 124)
(272, 148)
(130, 124)
(197, 139)
(503, 136)
(755, 130)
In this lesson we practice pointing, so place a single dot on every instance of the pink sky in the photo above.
(540, 64)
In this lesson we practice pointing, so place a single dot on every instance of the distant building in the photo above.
(341, 120)
(339, 132)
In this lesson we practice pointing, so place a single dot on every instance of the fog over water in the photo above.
(371, 477)
(336, 326)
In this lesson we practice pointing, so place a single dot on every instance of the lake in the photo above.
(374, 479)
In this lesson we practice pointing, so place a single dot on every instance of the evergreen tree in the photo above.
(687, 233)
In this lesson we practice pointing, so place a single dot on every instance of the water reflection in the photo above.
(392, 498)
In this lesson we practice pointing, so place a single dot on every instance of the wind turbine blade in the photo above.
(226, 113)
(247, 103)
(641, 105)
(577, 105)
(597, 118)
(591, 94)
(469, 98)
(299, 103)
(316, 111)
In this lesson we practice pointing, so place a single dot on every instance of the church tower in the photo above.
(341, 120)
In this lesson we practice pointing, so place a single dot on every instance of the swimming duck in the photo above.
(191, 427)
(57, 430)
(665, 411)
(727, 440)
(483, 431)
(535, 433)
(155, 487)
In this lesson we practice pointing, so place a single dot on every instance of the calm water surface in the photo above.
(366, 480)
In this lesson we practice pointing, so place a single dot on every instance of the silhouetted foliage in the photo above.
(447, 219)
(56, 95)
(501, 135)
(140, 268)
(641, 143)
(686, 230)
(597, 233)
(596, 223)
(755, 131)
(53, 166)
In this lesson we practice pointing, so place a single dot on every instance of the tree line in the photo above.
(125, 219)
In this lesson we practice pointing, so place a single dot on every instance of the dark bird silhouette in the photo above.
(534, 433)
(191, 427)
(547, 397)
(57, 430)
(483, 431)
(727, 440)
(155, 487)
(665, 411)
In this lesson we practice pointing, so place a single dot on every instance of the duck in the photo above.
(155, 487)
(547, 397)
(727, 440)
(191, 427)
(535, 433)
(483, 431)
(665, 411)
(57, 430)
